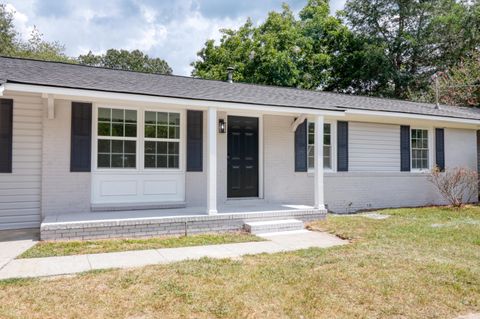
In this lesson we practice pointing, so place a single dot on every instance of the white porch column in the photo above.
(318, 188)
(212, 161)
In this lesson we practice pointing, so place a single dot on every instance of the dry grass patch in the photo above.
(400, 267)
(66, 248)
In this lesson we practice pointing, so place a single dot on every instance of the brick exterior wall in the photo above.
(150, 227)
(347, 192)
(63, 192)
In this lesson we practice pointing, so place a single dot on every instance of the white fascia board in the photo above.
(89, 95)
(411, 116)
(2, 89)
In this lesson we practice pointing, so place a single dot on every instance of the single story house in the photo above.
(89, 152)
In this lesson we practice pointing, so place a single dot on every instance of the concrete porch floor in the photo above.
(233, 207)
(147, 223)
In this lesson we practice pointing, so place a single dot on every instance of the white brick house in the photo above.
(80, 143)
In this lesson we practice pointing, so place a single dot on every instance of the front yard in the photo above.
(419, 263)
(68, 248)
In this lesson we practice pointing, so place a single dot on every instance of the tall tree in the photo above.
(283, 50)
(36, 47)
(458, 85)
(7, 31)
(134, 60)
(410, 39)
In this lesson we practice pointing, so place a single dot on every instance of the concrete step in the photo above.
(273, 226)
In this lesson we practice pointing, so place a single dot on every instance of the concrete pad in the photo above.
(11, 249)
(305, 239)
(48, 266)
(126, 259)
(470, 316)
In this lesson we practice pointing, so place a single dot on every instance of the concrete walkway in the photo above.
(15, 242)
(277, 242)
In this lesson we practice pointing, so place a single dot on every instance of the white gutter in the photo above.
(93, 95)
(411, 116)
(89, 95)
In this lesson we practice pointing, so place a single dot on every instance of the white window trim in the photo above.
(140, 140)
(430, 149)
(96, 138)
(333, 148)
(181, 140)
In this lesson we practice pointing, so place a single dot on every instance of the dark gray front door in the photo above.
(242, 172)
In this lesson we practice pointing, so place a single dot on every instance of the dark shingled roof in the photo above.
(56, 74)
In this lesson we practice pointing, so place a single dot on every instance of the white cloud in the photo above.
(20, 21)
(173, 31)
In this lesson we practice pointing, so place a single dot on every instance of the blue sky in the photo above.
(172, 30)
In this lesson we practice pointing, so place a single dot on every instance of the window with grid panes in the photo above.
(162, 139)
(116, 138)
(420, 152)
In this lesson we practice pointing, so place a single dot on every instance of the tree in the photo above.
(7, 31)
(126, 60)
(282, 51)
(458, 85)
(35, 47)
(409, 39)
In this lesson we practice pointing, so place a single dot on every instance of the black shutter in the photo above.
(342, 146)
(81, 137)
(194, 141)
(6, 133)
(405, 148)
(440, 148)
(301, 148)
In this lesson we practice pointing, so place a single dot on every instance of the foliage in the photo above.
(281, 51)
(134, 60)
(409, 40)
(457, 185)
(458, 85)
(67, 248)
(7, 31)
(36, 47)
(380, 47)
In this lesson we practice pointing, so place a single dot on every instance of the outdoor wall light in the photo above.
(221, 126)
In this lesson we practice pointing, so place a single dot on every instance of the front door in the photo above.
(242, 173)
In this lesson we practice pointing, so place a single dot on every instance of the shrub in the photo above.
(457, 186)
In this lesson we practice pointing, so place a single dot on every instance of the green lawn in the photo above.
(419, 263)
(48, 249)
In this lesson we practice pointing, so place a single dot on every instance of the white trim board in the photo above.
(138, 185)
(93, 95)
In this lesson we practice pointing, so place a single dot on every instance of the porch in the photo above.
(175, 221)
